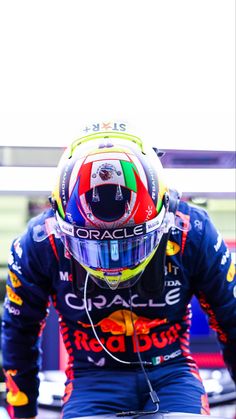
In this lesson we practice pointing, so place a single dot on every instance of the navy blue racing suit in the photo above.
(197, 263)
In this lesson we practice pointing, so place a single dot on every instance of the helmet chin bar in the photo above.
(114, 280)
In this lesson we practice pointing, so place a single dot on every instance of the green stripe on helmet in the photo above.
(60, 209)
(128, 171)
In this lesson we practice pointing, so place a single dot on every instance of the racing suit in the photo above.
(197, 263)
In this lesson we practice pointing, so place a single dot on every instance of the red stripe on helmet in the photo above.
(85, 174)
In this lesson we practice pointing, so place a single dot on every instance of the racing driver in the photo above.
(130, 254)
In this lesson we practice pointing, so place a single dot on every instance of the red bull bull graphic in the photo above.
(123, 322)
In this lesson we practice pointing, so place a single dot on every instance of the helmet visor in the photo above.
(112, 250)
(112, 255)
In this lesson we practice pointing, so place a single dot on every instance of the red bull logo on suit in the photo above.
(123, 323)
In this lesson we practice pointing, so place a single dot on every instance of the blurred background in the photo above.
(167, 70)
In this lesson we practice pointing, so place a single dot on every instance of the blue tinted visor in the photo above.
(112, 249)
(112, 254)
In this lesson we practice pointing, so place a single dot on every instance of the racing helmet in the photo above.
(111, 206)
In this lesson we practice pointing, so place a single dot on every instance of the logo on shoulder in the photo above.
(13, 297)
(18, 248)
(14, 279)
(172, 248)
(14, 264)
(225, 257)
(231, 272)
(218, 243)
(12, 310)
